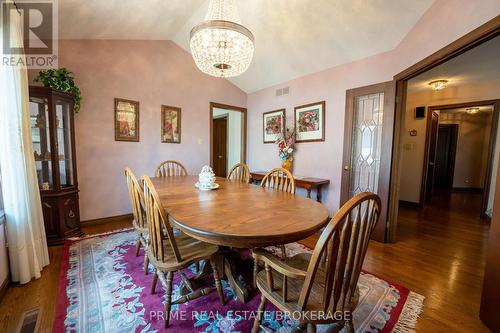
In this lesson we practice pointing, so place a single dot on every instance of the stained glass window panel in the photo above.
(367, 143)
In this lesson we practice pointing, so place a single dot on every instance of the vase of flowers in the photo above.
(286, 148)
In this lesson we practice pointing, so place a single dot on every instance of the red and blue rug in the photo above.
(103, 289)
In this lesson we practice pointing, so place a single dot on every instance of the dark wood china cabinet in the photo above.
(53, 137)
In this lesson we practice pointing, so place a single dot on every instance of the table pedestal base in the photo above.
(197, 281)
(238, 271)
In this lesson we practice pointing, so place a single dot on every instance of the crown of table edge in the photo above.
(246, 242)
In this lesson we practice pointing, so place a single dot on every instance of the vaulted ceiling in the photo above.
(292, 37)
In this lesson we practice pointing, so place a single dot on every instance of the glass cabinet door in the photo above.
(64, 144)
(40, 132)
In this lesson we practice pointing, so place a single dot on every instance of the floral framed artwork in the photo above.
(273, 125)
(309, 122)
(126, 120)
(170, 124)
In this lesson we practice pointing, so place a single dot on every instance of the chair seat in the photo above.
(190, 250)
(294, 287)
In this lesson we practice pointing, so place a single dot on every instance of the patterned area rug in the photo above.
(103, 289)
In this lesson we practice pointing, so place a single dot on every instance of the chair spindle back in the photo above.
(159, 228)
(344, 242)
(240, 173)
(170, 168)
(136, 199)
(279, 179)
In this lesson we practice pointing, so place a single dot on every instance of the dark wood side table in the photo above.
(308, 183)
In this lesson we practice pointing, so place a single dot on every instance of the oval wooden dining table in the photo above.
(237, 215)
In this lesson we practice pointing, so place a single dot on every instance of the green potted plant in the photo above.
(61, 79)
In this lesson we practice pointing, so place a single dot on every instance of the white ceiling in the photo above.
(476, 66)
(123, 19)
(292, 37)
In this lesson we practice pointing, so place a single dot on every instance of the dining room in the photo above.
(224, 166)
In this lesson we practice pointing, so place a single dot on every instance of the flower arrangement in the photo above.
(286, 147)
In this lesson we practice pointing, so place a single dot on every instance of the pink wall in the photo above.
(153, 73)
(317, 159)
(324, 159)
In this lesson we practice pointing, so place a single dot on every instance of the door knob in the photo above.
(347, 168)
(220, 156)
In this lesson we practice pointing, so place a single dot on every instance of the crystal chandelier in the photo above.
(220, 45)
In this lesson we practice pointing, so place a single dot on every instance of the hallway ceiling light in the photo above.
(438, 84)
(220, 45)
(472, 110)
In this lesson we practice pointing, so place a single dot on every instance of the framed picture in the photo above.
(170, 124)
(273, 124)
(126, 120)
(310, 122)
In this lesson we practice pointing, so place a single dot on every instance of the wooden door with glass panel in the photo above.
(369, 126)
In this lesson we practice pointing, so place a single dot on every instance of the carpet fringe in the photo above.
(412, 309)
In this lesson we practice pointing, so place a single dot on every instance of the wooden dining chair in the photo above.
(170, 168)
(307, 283)
(139, 222)
(239, 172)
(169, 253)
(279, 179)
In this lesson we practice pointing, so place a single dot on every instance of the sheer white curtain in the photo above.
(23, 211)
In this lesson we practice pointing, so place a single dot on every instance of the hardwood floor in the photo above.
(440, 254)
